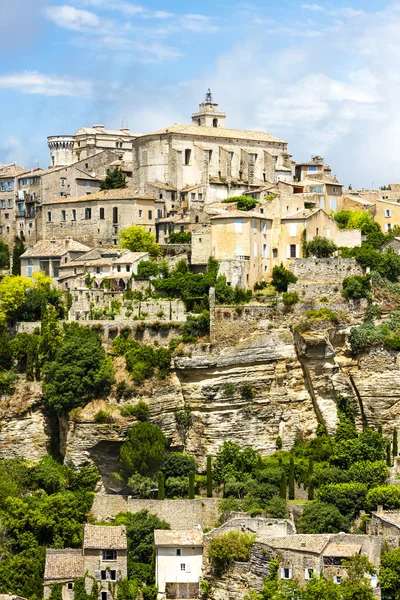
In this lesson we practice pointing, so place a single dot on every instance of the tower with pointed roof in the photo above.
(209, 115)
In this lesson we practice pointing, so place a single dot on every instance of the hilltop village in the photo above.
(199, 371)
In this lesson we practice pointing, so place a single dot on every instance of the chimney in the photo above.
(379, 509)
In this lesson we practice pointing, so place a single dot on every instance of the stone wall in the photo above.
(232, 324)
(180, 514)
(259, 526)
(325, 270)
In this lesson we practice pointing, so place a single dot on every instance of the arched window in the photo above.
(215, 122)
(198, 122)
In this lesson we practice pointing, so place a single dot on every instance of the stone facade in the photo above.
(326, 270)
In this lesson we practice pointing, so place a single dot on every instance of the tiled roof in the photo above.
(104, 537)
(301, 214)
(390, 516)
(191, 537)
(299, 542)
(309, 182)
(92, 130)
(229, 214)
(104, 195)
(344, 550)
(217, 132)
(63, 564)
(54, 248)
(162, 186)
(394, 187)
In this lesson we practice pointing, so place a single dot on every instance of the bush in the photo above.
(178, 464)
(140, 411)
(319, 517)
(321, 247)
(356, 287)
(103, 416)
(276, 508)
(349, 498)
(290, 298)
(147, 269)
(144, 449)
(141, 487)
(177, 487)
(243, 202)
(180, 237)
(196, 327)
(386, 495)
(229, 547)
(281, 278)
(322, 314)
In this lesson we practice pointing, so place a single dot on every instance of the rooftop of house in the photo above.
(99, 129)
(394, 187)
(298, 542)
(191, 537)
(104, 537)
(55, 247)
(303, 213)
(242, 214)
(390, 516)
(104, 195)
(308, 182)
(10, 171)
(63, 565)
(106, 256)
(162, 186)
(342, 550)
(216, 132)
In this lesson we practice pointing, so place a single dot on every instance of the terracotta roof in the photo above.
(105, 537)
(229, 214)
(54, 248)
(216, 132)
(394, 187)
(190, 537)
(344, 550)
(63, 564)
(104, 195)
(298, 542)
(191, 187)
(162, 186)
(309, 182)
(302, 214)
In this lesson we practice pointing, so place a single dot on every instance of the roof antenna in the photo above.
(124, 124)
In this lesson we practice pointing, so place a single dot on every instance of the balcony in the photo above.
(242, 257)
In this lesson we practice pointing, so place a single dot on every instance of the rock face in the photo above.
(271, 382)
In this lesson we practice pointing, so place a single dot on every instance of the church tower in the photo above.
(208, 115)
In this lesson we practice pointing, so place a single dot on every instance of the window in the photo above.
(316, 189)
(308, 574)
(104, 595)
(63, 181)
(388, 213)
(292, 229)
(3, 204)
(255, 249)
(328, 233)
(255, 226)
(388, 227)
(73, 217)
(34, 180)
(49, 216)
(119, 268)
(264, 250)
(86, 165)
(70, 585)
(128, 268)
(88, 183)
(140, 213)
(63, 215)
(286, 573)
(264, 227)
(215, 122)
(6, 215)
(200, 196)
(109, 554)
(178, 551)
(334, 190)
(312, 169)
(292, 250)
(322, 201)
(239, 225)
(88, 213)
(21, 208)
(239, 251)
(30, 269)
(150, 214)
(183, 567)
(317, 231)
(193, 196)
(332, 202)
(188, 154)
(274, 252)
(159, 213)
(337, 579)
(209, 155)
(10, 203)
(23, 182)
(101, 213)
(98, 270)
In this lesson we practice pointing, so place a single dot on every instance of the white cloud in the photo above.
(345, 11)
(33, 82)
(69, 17)
(198, 23)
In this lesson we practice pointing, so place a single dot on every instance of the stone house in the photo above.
(394, 244)
(387, 214)
(102, 559)
(97, 219)
(48, 255)
(8, 229)
(320, 193)
(207, 159)
(316, 167)
(178, 562)
(385, 524)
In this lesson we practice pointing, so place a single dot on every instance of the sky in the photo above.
(324, 76)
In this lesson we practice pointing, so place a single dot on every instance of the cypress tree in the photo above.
(18, 249)
(115, 179)
(388, 457)
(161, 486)
(310, 479)
(395, 443)
(380, 431)
(291, 479)
(209, 478)
(282, 490)
(191, 485)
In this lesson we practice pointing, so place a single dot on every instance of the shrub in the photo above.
(290, 298)
(123, 390)
(196, 327)
(246, 392)
(349, 498)
(356, 287)
(321, 247)
(103, 416)
(243, 202)
(322, 314)
(178, 464)
(229, 547)
(276, 508)
(141, 487)
(386, 495)
(177, 486)
(144, 449)
(140, 411)
(180, 237)
(281, 278)
(319, 517)
(147, 269)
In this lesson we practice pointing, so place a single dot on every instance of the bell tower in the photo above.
(208, 115)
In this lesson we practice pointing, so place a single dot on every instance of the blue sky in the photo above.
(324, 76)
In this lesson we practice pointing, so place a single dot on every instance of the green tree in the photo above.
(386, 495)
(161, 486)
(389, 574)
(349, 498)
(191, 485)
(147, 269)
(321, 247)
(388, 455)
(318, 517)
(80, 371)
(209, 477)
(180, 237)
(114, 180)
(282, 487)
(144, 449)
(356, 287)
(395, 444)
(18, 249)
(4, 255)
(310, 480)
(242, 202)
(137, 239)
(12, 295)
(281, 278)
(291, 478)
(228, 547)
(178, 464)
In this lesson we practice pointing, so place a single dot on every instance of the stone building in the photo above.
(87, 142)
(206, 160)
(48, 255)
(102, 559)
(385, 524)
(97, 219)
(179, 561)
(314, 168)
(8, 229)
